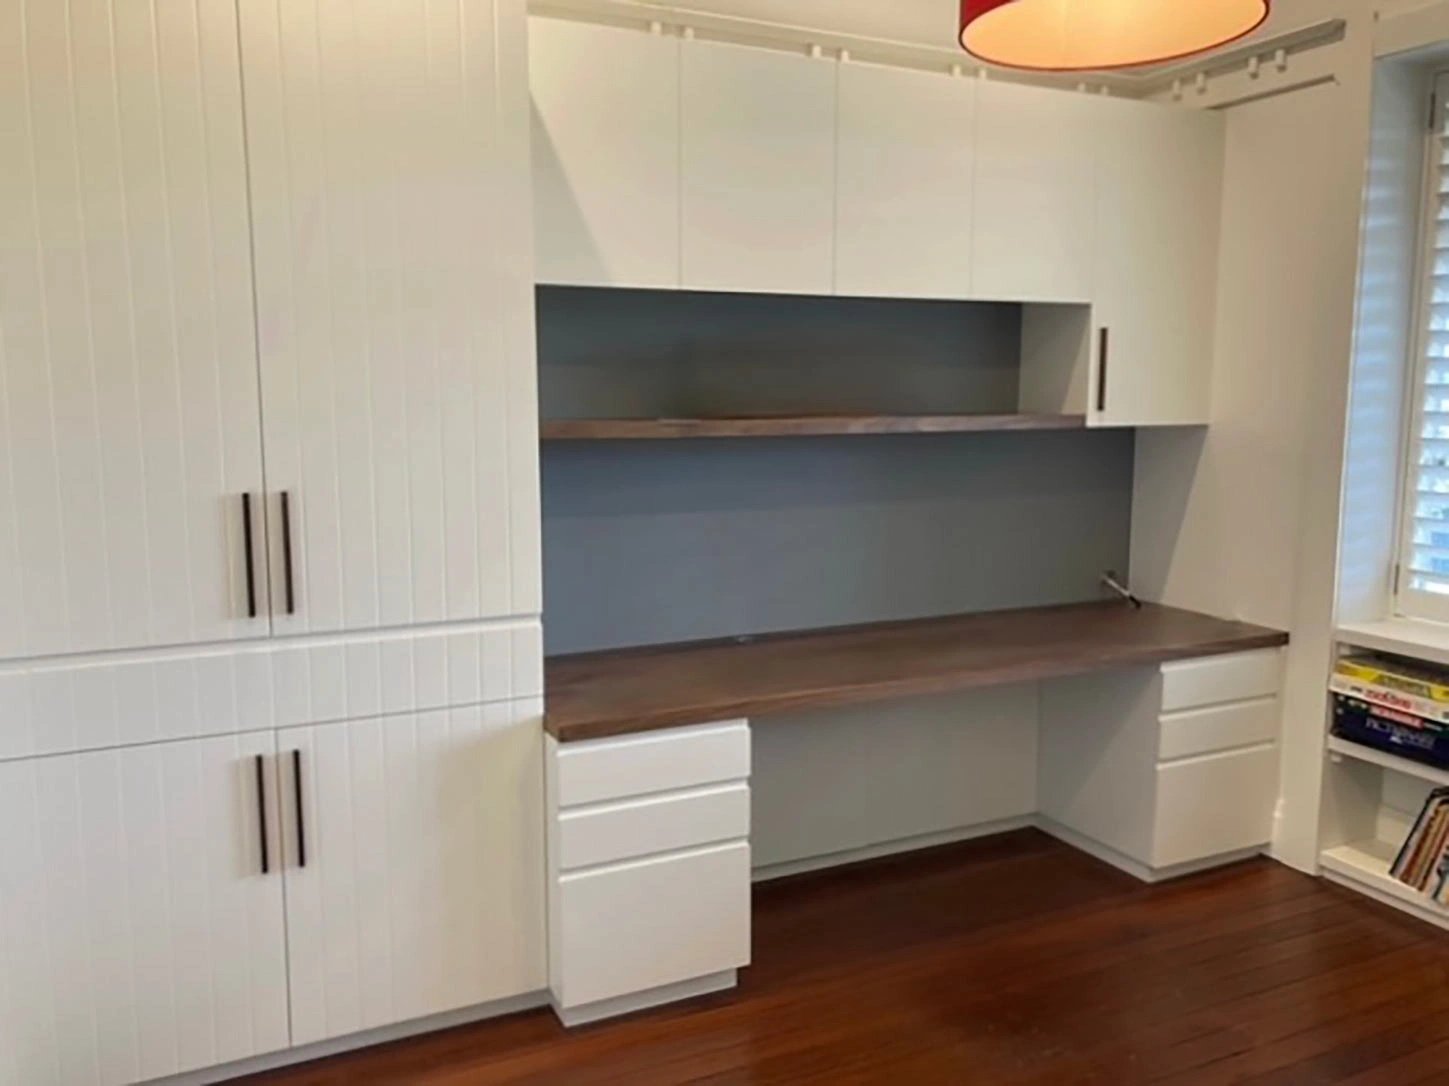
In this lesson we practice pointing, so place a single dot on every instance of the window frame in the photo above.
(1406, 601)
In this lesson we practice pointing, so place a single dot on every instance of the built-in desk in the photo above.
(593, 695)
(1155, 733)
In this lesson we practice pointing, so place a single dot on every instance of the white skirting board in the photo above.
(367, 1039)
(1131, 866)
(641, 1001)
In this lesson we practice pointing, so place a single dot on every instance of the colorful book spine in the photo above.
(1388, 697)
(1420, 683)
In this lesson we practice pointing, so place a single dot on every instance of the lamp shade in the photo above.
(1092, 35)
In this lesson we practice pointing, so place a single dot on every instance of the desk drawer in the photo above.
(1218, 727)
(597, 770)
(1215, 804)
(1211, 680)
(620, 831)
(658, 921)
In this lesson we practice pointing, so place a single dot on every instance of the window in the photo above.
(1423, 579)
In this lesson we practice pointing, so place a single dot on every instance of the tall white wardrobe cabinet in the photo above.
(270, 744)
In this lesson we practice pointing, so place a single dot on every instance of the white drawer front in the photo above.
(1210, 680)
(659, 921)
(639, 827)
(1218, 727)
(602, 769)
(1220, 803)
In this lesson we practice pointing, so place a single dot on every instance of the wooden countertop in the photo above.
(592, 695)
(796, 426)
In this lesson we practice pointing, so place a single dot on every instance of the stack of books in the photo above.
(1423, 861)
(1392, 705)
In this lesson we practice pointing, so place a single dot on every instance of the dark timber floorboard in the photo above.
(1008, 960)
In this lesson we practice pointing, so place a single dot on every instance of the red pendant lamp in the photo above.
(1092, 35)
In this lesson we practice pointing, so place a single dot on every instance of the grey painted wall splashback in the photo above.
(653, 541)
(646, 542)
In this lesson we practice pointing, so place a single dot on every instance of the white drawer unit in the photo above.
(1164, 770)
(639, 926)
(600, 769)
(649, 867)
(1217, 728)
(1212, 680)
(638, 827)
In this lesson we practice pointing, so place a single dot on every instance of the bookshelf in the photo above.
(1348, 749)
(1364, 866)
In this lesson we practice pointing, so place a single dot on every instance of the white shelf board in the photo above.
(1364, 866)
(1414, 638)
(1359, 753)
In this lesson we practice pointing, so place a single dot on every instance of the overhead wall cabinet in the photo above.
(905, 163)
(803, 175)
(757, 169)
(1034, 195)
(605, 154)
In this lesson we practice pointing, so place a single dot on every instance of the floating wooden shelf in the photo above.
(614, 693)
(796, 426)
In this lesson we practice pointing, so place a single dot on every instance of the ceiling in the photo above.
(933, 22)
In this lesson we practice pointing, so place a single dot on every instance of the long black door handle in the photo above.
(262, 813)
(287, 552)
(297, 801)
(1102, 342)
(250, 557)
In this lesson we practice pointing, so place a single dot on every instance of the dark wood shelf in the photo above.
(593, 695)
(796, 426)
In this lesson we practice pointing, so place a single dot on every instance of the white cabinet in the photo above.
(605, 154)
(904, 214)
(388, 153)
(128, 403)
(648, 867)
(1159, 199)
(757, 169)
(138, 934)
(415, 874)
(1034, 200)
(1164, 770)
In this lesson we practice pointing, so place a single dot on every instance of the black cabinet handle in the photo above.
(297, 800)
(1102, 368)
(250, 558)
(287, 552)
(262, 813)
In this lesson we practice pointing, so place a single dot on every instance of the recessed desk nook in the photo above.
(840, 394)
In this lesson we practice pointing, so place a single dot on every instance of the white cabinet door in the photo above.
(605, 154)
(138, 935)
(388, 147)
(422, 889)
(1159, 197)
(758, 169)
(128, 402)
(903, 190)
(1035, 194)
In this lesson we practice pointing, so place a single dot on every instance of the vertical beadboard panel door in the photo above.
(1159, 206)
(1035, 198)
(389, 165)
(605, 154)
(903, 196)
(423, 886)
(138, 936)
(757, 169)
(128, 402)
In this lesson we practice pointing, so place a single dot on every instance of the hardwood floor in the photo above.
(1008, 960)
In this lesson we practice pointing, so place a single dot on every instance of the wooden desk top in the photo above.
(593, 695)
